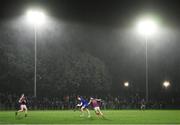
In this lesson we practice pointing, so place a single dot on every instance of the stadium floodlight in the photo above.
(147, 27)
(36, 18)
(126, 84)
(166, 84)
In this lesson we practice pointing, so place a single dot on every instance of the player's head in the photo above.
(22, 95)
(78, 98)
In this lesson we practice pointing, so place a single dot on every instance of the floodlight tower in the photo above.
(147, 27)
(36, 18)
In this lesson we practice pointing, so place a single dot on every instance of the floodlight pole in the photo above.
(35, 59)
(146, 27)
(36, 17)
(147, 86)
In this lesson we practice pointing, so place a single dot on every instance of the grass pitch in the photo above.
(112, 117)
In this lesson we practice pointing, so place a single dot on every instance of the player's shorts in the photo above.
(23, 106)
(96, 108)
(84, 106)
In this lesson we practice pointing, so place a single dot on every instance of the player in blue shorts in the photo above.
(83, 104)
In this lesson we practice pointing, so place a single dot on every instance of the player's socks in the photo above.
(97, 113)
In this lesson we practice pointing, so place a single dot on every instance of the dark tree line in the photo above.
(69, 71)
(85, 59)
(62, 68)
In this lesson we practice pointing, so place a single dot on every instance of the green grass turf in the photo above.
(112, 117)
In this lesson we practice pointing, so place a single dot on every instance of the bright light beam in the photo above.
(35, 17)
(147, 27)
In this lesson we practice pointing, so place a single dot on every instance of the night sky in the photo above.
(105, 29)
(97, 12)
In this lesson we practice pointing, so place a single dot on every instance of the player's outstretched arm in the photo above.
(99, 100)
(20, 100)
(79, 104)
(89, 102)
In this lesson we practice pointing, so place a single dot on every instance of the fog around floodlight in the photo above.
(147, 27)
(35, 17)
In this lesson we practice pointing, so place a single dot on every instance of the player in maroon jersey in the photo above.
(95, 104)
(23, 107)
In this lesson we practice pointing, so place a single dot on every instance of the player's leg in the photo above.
(21, 110)
(88, 112)
(96, 111)
(142, 107)
(99, 110)
(25, 110)
(82, 111)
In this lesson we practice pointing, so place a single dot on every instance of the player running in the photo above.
(23, 106)
(143, 104)
(83, 105)
(95, 104)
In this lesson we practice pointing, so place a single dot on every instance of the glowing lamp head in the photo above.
(35, 17)
(166, 84)
(126, 84)
(147, 27)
